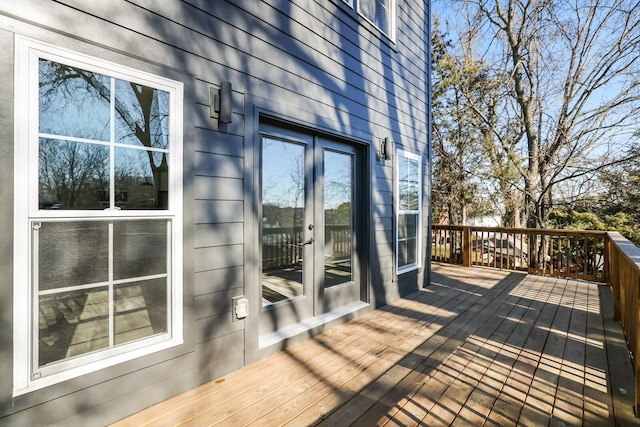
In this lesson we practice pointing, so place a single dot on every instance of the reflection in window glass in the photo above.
(142, 179)
(73, 253)
(283, 213)
(378, 12)
(283, 180)
(74, 102)
(87, 269)
(100, 241)
(140, 248)
(408, 184)
(72, 323)
(338, 217)
(409, 211)
(407, 239)
(143, 115)
(76, 175)
(140, 310)
(73, 175)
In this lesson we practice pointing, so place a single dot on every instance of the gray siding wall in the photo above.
(314, 57)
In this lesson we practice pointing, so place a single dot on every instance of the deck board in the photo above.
(477, 346)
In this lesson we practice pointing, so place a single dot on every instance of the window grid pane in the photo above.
(409, 212)
(82, 306)
(80, 174)
(72, 323)
(378, 12)
(72, 254)
(140, 310)
(73, 102)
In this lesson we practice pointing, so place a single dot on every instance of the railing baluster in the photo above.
(561, 253)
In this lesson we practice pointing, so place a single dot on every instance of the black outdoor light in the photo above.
(384, 150)
(387, 148)
(221, 102)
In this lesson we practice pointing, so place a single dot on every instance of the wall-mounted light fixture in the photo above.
(384, 150)
(220, 102)
(388, 148)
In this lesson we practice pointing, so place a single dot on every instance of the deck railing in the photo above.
(598, 256)
(623, 276)
(562, 253)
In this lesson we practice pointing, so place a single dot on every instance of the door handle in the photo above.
(308, 242)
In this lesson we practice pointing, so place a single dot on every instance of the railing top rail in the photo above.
(550, 231)
(447, 227)
(626, 247)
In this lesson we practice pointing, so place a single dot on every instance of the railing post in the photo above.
(613, 267)
(466, 246)
(635, 329)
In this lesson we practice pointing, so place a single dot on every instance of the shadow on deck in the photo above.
(477, 347)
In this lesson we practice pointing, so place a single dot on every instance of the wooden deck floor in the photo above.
(477, 347)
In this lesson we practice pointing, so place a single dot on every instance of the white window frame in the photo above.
(355, 4)
(413, 266)
(28, 52)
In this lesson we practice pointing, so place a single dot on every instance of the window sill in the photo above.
(407, 269)
(88, 368)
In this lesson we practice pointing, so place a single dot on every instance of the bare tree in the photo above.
(567, 75)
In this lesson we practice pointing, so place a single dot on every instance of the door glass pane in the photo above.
(338, 217)
(283, 205)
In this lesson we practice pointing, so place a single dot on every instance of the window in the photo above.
(97, 214)
(380, 13)
(409, 212)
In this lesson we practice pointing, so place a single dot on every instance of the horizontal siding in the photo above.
(383, 197)
(317, 82)
(171, 383)
(206, 187)
(209, 141)
(214, 304)
(222, 234)
(71, 405)
(384, 237)
(215, 211)
(384, 249)
(208, 164)
(218, 280)
(218, 349)
(314, 58)
(382, 223)
(218, 257)
(214, 327)
(202, 120)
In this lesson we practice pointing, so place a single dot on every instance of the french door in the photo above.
(309, 228)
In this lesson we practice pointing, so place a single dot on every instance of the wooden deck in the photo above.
(477, 347)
